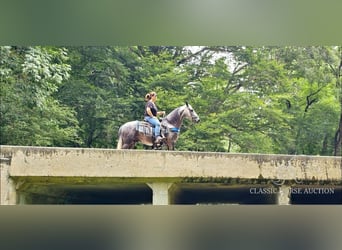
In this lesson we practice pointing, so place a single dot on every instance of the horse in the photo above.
(139, 131)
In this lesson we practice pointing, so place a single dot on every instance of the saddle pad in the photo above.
(145, 128)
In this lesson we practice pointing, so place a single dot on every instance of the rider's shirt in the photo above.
(153, 108)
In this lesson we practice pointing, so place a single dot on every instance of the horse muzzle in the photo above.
(196, 120)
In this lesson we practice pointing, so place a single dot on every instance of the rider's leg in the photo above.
(155, 123)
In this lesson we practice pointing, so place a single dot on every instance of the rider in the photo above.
(151, 113)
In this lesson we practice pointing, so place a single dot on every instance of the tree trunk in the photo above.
(338, 134)
(337, 140)
(324, 150)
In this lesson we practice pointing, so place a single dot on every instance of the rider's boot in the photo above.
(158, 139)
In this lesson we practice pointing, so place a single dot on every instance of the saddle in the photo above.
(147, 129)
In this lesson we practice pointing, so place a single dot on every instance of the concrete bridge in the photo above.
(46, 175)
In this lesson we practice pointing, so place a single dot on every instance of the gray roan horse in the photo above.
(134, 131)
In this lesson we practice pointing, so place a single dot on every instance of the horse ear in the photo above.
(187, 104)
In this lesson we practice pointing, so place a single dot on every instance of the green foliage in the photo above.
(250, 99)
(29, 113)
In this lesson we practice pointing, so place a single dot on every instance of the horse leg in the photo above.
(122, 144)
(127, 144)
(170, 145)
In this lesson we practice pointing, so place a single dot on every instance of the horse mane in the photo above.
(175, 116)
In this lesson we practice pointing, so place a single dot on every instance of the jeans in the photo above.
(155, 123)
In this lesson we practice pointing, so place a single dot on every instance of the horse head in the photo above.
(190, 113)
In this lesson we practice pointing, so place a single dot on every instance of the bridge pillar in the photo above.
(8, 194)
(284, 195)
(21, 199)
(160, 193)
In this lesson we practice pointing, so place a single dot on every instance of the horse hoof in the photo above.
(158, 140)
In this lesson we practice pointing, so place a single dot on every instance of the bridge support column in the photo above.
(21, 199)
(8, 194)
(160, 193)
(284, 195)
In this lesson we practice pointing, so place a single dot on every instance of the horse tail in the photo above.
(119, 145)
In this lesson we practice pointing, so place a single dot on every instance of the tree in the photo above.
(105, 89)
(250, 99)
(30, 115)
(315, 99)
